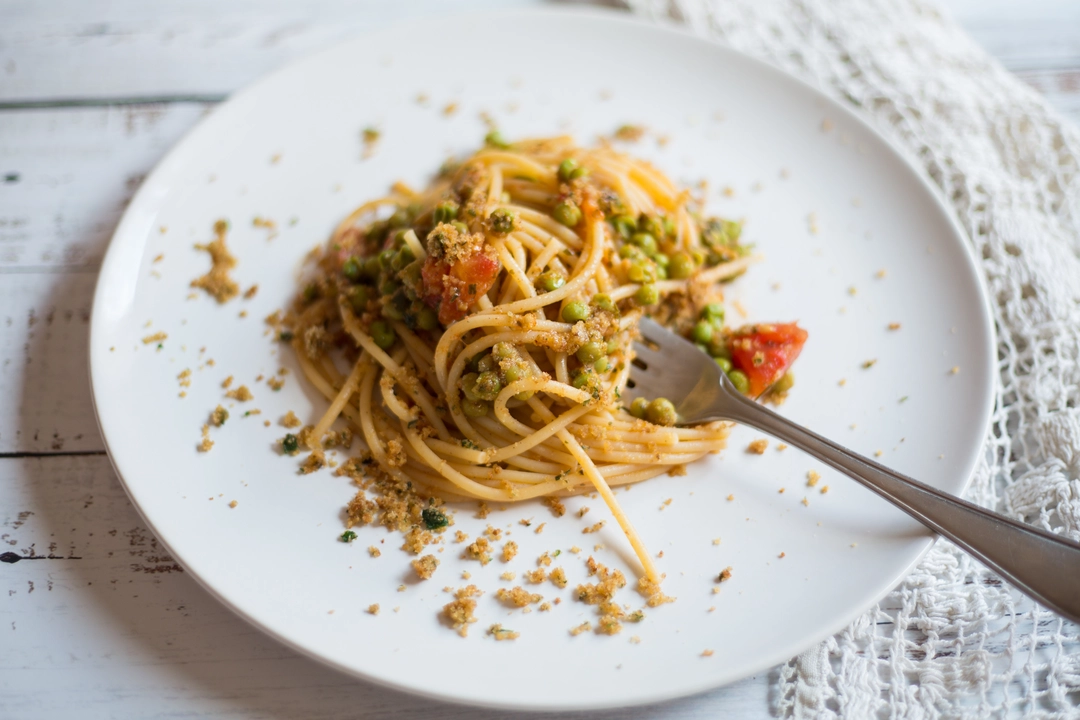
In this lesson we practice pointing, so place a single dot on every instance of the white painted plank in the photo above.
(79, 49)
(122, 632)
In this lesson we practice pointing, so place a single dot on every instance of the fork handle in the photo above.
(1041, 564)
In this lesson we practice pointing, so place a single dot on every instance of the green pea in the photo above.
(661, 412)
(785, 383)
(372, 267)
(639, 407)
(351, 269)
(386, 257)
(404, 257)
(681, 267)
(427, 319)
(468, 385)
(389, 287)
(698, 257)
(630, 252)
(645, 241)
(669, 226)
(460, 226)
(713, 312)
(487, 364)
(290, 444)
(445, 212)
(590, 352)
(661, 273)
(400, 218)
(579, 173)
(661, 260)
(496, 140)
(514, 372)
(601, 365)
(650, 225)
(575, 312)
(550, 280)
(702, 348)
(392, 312)
(580, 380)
(641, 271)
(503, 351)
(724, 364)
(566, 167)
(502, 221)
(383, 335)
(702, 332)
(358, 298)
(625, 226)
(740, 381)
(488, 385)
(647, 295)
(612, 345)
(604, 302)
(474, 408)
(567, 213)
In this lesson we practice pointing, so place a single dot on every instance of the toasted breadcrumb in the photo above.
(544, 560)
(227, 382)
(782, 555)
(812, 478)
(781, 491)
(155, 338)
(894, 326)
(373, 608)
(575, 549)
(518, 597)
(500, 633)
(540, 528)
(583, 627)
(629, 133)
(806, 501)
(184, 377)
(461, 612)
(582, 511)
(757, 447)
(482, 510)
(725, 574)
(508, 575)
(730, 498)
(558, 576)
(275, 383)
(206, 443)
(217, 282)
(219, 416)
(425, 566)
(460, 537)
(240, 394)
(610, 582)
(250, 292)
(867, 364)
(479, 551)
(634, 639)
(233, 503)
(544, 607)
(824, 489)
(374, 551)
(955, 369)
(781, 447)
(651, 590)
(706, 653)
(557, 508)
(594, 528)
(716, 541)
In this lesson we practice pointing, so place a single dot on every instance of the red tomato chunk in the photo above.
(765, 351)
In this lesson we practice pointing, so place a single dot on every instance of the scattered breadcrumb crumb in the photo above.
(781, 447)
(757, 447)
(880, 273)
(374, 551)
(593, 528)
(575, 549)
(233, 503)
(240, 394)
(227, 382)
(706, 653)
(582, 511)
(479, 551)
(275, 383)
(782, 555)
(583, 627)
(842, 382)
(955, 369)
(536, 576)
(805, 501)
(878, 453)
(869, 364)
(518, 597)
(206, 443)
(894, 326)
(629, 133)
(826, 125)
(482, 510)
(373, 608)
(449, 109)
(250, 292)
(155, 338)
(219, 416)
(460, 536)
(812, 477)
(508, 575)
(500, 633)
(290, 420)
(425, 566)
(556, 506)
(558, 576)
(184, 377)
(730, 498)
(217, 282)
(824, 489)
(716, 541)
(461, 612)
(540, 528)
(509, 550)
(781, 491)
(725, 574)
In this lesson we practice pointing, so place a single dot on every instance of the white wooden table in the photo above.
(102, 622)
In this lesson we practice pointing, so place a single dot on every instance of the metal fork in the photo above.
(1044, 566)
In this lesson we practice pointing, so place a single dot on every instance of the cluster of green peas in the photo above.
(489, 374)
(708, 335)
(642, 239)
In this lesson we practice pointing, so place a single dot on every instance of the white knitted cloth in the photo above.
(952, 640)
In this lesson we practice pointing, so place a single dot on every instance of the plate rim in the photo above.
(142, 199)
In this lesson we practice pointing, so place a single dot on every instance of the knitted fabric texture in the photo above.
(952, 640)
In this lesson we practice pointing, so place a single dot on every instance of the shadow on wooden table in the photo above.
(129, 611)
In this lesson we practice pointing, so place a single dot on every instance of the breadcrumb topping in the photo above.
(425, 567)
(758, 447)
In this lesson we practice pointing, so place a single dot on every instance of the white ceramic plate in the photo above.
(854, 239)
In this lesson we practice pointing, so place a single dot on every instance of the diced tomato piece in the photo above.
(765, 351)
(453, 289)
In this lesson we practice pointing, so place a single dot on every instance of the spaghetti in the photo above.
(488, 322)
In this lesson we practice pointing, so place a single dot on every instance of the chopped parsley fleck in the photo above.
(469, 444)
(286, 336)
(290, 444)
(348, 536)
(434, 518)
(557, 553)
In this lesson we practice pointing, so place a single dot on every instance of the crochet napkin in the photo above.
(952, 640)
